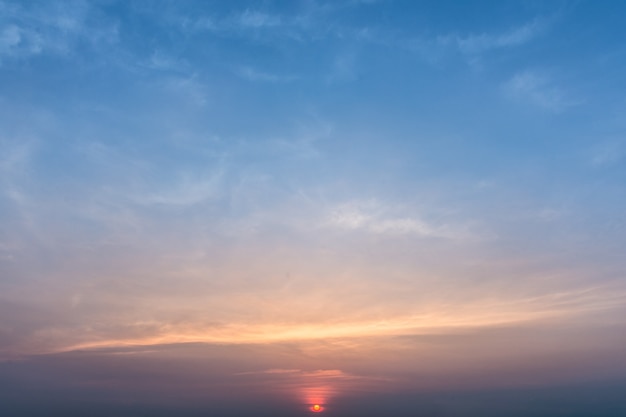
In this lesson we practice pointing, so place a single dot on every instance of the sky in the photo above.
(246, 208)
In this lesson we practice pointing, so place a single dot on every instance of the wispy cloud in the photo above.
(160, 60)
(479, 43)
(257, 19)
(472, 46)
(188, 190)
(186, 87)
(539, 89)
(249, 22)
(18, 41)
(608, 153)
(310, 21)
(374, 217)
(252, 74)
(32, 29)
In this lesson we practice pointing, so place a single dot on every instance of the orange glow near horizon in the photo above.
(268, 332)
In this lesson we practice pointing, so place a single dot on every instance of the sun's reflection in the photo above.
(316, 396)
(318, 389)
(314, 390)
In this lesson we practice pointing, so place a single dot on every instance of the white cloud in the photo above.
(474, 44)
(257, 19)
(343, 68)
(303, 143)
(352, 215)
(15, 166)
(15, 41)
(244, 22)
(188, 88)
(374, 217)
(402, 226)
(27, 30)
(252, 74)
(538, 89)
(187, 191)
(608, 153)
(162, 61)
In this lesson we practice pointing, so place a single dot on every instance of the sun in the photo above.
(316, 408)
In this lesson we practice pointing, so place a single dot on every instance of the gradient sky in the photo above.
(250, 207)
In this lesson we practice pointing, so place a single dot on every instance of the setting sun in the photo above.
(317, 408)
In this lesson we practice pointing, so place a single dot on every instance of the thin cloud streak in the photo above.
(539, 90)
(373, 217)
(517, 36)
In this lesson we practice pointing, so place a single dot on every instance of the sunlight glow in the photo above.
(264, 333)
(316, 408)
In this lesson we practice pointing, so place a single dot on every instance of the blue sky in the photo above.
(355, 172)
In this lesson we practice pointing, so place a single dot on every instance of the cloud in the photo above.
(44, 27)
(16, 166)
(539, 89)
(159, 60)
(608, 153)
(257, 19)
(16, 41)
(15, 157)
(188, 88)
(252, 74)
(249, 22)
(475, 44)
(304, 142)
(189, 190)
(311, 21)
(374, 217)
(344, 68)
